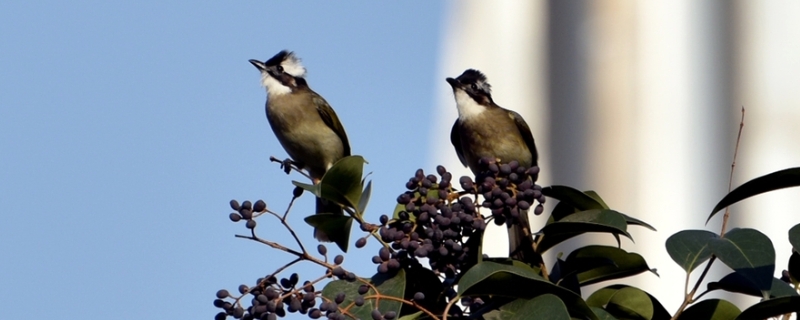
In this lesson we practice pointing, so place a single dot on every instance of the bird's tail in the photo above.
(326, 206)
(520, 244)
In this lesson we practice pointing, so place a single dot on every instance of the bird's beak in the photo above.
(454, 83)
(258, 64)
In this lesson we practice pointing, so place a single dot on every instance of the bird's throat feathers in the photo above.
(467, 106)
(273, 86)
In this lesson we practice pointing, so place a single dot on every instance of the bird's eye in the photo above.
(279, 68)
(474, 86)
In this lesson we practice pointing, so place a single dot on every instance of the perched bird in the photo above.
(484, 129)
(303, 122)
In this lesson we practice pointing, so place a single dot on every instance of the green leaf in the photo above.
(342, 182)
(604, 297)
(794, 237)
(777, 180)
(750, 253)
(313, 188)
(546, 306)
(592, 194)
(794, 267)
(631, 303)
(711, 309)
(490, 278)
(736, 282)
(690, 248)
(602, 314)
(337, 227)
(771, 308)
(637, 222)
(566, 275)
(362, 203)
(420, 279)
(622, 263)
(386, 285)
(413, 316)
(573, 197)
(595, 220)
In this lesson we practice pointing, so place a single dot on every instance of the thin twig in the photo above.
(447, 309)
(689, 298)
(730, 179)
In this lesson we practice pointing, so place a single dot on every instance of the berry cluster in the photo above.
(433, 225)
(247, 211)
(271, 299)
(508, 189)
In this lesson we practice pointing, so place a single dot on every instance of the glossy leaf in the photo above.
(567, 276)
(607, 221)
(342, 182)
(690, 248)
(420, 279)
(794, 237)
(777, 180)
(622, 263)
(337, 227)
(573, 197)
(736, 282)
(634, 303)
(603, 298)
(637, 222)
(491, 278)
(546, 306)
(711, 309)
(312, 188)
(592, 194)
(771, 308)
(414, 316)
(386, 285)
(602, 314)
(364, 200)
(749, 253)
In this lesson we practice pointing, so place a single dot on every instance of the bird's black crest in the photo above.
(278, 58)
(474, 76)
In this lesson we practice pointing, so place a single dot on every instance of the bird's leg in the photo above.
(287, 165)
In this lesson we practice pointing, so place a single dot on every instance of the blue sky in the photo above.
(125, 129)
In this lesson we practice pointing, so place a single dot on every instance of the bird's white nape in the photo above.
(467, 107)
(274, 87)
(291, 65)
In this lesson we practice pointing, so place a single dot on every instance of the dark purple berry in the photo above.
(235, 217)
(297, 192)
(235, 205)
(361, 242)
(260, 206)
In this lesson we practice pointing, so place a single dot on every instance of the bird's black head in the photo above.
(284, 67)
(474, 83)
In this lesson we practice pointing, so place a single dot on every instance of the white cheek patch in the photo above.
(274, 87)
(293, 67)
(467, 107)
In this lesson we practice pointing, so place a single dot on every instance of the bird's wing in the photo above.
(525, 131)
(330, 119)
(455, 139)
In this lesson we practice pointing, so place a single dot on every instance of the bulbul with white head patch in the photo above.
(303, 122)
(484, 129)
